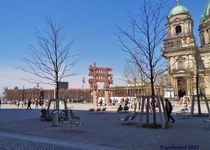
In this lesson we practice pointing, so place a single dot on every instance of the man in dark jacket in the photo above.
(168, 108)
(29, 104)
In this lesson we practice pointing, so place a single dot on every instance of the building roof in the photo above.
(206, 13)
(178, 10)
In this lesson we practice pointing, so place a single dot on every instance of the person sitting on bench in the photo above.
(119, 109)
(126, 108)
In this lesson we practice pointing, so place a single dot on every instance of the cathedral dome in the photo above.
(206, 13)
(178, 10)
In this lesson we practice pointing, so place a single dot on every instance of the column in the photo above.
(175, 86)
(107, 97)
(95, 98)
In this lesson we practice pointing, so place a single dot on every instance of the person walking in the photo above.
(101, 102)
(29, 104)
(169, 108)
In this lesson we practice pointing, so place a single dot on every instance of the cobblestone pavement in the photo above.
(10, 141)
(15, 144)
(101, 131)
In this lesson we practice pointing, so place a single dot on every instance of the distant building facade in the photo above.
(78, 94)
(133, 91)
(35, 93)
(23, 94)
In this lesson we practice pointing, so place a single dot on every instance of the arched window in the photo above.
(178, 30)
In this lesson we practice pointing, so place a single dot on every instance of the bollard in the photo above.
(55, 118)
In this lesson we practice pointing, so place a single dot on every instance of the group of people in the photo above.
(27, 103)
(168, 109)
(125, 103)
(37, 103)
(120, 108)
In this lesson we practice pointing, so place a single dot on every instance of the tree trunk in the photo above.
(56, 97)
(56, 91)
(153, 101)
(152, 91)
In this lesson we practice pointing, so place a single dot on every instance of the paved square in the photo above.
(24, 129)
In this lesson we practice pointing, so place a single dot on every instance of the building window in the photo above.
(180, 64)
(178, 30)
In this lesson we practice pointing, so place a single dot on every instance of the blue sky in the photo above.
(89, 22)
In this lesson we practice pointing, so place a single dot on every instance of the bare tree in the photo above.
(134, 76)
(50, 61)
(143, 42)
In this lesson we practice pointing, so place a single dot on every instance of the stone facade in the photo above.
(187, 61)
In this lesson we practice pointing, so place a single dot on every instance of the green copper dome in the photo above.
(178, 10)
(206, 13)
